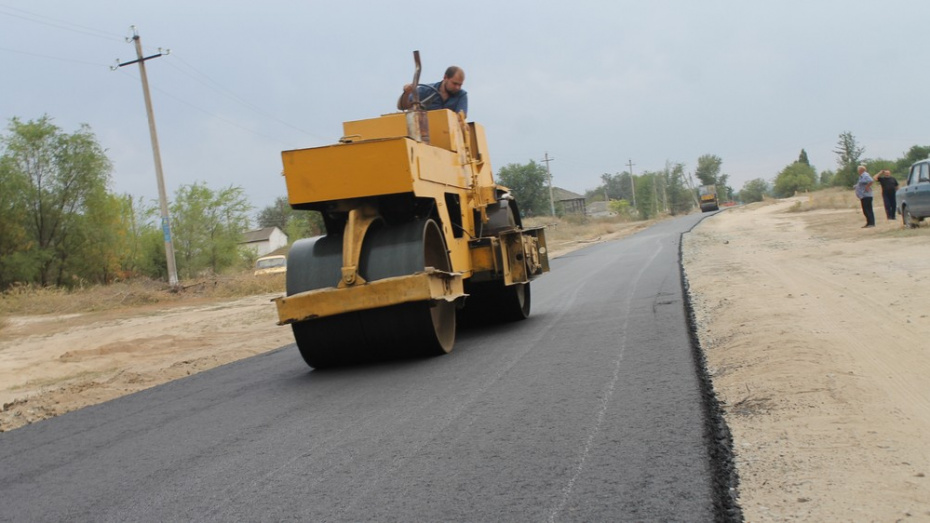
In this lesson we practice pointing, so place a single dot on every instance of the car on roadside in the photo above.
(273, 264)
(913, 200)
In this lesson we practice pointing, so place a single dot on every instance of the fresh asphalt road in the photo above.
(590, 410)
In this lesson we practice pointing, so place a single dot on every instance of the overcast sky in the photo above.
(595, 84)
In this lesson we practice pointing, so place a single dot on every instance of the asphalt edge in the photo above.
(716, 431)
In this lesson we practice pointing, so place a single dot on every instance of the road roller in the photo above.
(418, 236)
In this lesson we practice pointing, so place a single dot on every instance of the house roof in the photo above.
(560, 195)
(258, 235)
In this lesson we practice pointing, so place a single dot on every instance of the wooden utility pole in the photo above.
(632, 183)
(162, 197)
(551, 200)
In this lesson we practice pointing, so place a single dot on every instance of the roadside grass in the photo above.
(830, 198)
(34, 300)
(838, 198)
(567, 230)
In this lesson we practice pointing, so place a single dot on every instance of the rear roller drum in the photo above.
(405, 330)
(493, 302)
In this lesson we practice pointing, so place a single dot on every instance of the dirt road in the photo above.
(815, 332)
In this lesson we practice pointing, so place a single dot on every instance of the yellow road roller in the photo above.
(418, 236)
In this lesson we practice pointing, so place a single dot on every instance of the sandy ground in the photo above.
(816, 332)
(817, 336)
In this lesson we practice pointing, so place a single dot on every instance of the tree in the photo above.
(794, 178)
(208, 227)
(848, 155)
(60, 176)
(296, 224)
(754, 191)
(99, 242)
(903, 165)
(680, 198)
(802, 158)
(276, 214)
(529, 185)
(616, 186)
(708, 170)
(646, 201)
(15, 247)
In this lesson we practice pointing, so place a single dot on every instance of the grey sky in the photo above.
(593, 83)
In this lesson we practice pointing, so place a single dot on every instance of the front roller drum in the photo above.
(415, 329)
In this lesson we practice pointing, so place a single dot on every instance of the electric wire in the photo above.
(59, 24)
(201, 77)
(37, 55)
(208, 113)
(192, 72)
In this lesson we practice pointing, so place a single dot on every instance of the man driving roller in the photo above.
(446, 94)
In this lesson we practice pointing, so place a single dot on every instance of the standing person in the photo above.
(889, 186)
(447, 94)
(864, 193)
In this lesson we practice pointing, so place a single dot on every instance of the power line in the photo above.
(208, 113)
(37, 55)
(195, 74)
(201, 77)
(58, 24)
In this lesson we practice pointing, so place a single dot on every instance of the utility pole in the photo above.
(632, 183)
(664, 185)
(162, 198)
(693, 190)
(551, 201)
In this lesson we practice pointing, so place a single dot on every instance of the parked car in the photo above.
(913, 200)
(274, 264)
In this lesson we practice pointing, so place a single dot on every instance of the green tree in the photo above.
(802, 158)
(529, 185)
(96, 246)
(754, 191)
(208, 227)
(848, 155)
(646, 201)
(15, 247)
(708, 169)
(60, 176)
(296, 224)
(276, 214)
(794, 178)
(680, 198)
(903, 165)
(621, 207)
(616, 186)
(708, 172)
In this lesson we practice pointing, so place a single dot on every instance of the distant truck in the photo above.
(708, 198)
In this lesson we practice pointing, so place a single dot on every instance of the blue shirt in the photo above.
(456, 102)
(862, 186)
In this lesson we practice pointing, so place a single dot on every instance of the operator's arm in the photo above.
(403, 103)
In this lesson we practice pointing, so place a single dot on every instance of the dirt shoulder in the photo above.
(816, 335)
(50, 365)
